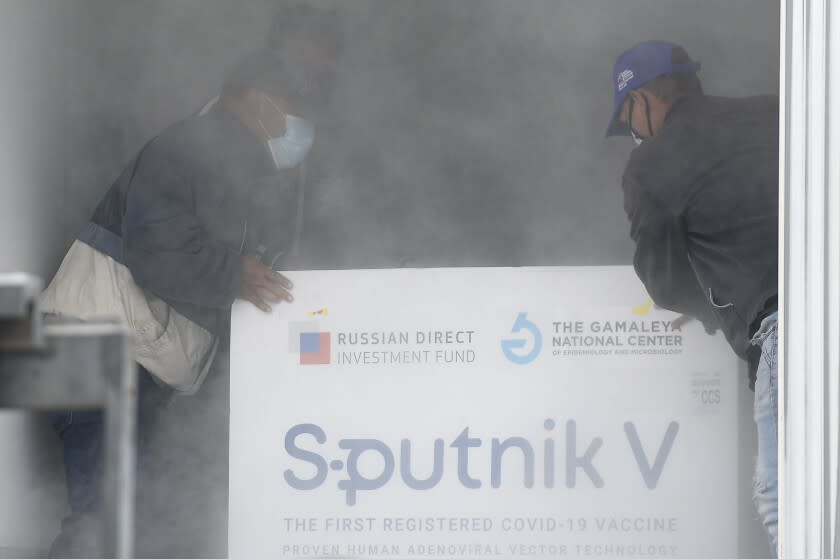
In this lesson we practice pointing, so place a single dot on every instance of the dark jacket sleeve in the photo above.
(163, 243)
(272, 211)
(661, 258)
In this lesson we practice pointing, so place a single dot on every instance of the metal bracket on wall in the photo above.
(20, 325)
(67, 366)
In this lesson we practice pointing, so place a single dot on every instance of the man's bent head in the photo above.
(648, 79)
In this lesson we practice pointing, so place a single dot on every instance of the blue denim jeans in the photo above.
(766, 413)
(82, 439)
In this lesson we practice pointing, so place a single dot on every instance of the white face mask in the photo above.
(289, 151)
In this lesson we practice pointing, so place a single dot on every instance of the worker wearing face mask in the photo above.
(701, 193)
(177, 239)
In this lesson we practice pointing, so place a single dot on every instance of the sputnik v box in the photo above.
(533, 412)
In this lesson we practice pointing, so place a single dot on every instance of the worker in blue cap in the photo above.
(701, 193)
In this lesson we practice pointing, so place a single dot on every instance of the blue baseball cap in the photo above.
(637, 66)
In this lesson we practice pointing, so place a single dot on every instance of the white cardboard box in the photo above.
(531, 412)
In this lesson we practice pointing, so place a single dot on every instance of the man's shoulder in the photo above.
(182, 139)
(655, 165)
(188, 146)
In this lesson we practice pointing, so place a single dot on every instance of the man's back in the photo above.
(706, 185)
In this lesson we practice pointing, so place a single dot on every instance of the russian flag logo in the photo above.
(315, 348)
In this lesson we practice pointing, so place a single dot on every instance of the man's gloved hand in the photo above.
(680, 321)
(711, 329)
(261, 285)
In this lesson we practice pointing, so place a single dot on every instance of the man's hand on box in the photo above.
(679, 322)
(262, 286)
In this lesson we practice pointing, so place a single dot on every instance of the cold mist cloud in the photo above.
(462, 133)
(467, 133)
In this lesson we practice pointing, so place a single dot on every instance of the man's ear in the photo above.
(631, 98)
(248, 106)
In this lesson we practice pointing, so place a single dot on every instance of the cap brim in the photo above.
(616, 127)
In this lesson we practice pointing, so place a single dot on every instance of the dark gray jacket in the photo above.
(702, 198)
(180, 215)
